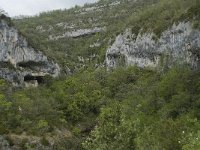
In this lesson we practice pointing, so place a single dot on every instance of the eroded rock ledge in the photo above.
(18, 59)
(78, 33)
(179, 44)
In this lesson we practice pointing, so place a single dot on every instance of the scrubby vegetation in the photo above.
(95, 109)
(129, 108)
(141, 16)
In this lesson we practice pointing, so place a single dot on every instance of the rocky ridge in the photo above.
(177, 45)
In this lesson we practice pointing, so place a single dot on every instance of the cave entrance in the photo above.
(33, 80)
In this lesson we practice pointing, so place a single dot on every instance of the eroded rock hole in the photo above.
(34, 79)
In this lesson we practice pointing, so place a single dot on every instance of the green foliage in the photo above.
(162, 15)
(135, 109)
(142, 16)
(156, 112)
(4, 16)
(66, 50)
(127, 108)
(44, 141)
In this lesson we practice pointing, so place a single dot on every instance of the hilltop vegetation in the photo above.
(126, 108)
(115, 16)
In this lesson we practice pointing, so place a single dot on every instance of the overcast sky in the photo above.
(32, 7)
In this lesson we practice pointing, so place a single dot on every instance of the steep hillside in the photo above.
(132, 81)
(80, 36)
(168, 34)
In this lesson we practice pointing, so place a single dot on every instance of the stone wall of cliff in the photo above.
(178, 45)
(18, 59)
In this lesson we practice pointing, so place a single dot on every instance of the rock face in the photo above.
(78, 33)
(18, 59)
(179, 44)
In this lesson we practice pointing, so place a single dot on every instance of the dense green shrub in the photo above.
(157, 112)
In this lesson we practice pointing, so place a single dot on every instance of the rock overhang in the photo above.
(19, 59)
(179, 44)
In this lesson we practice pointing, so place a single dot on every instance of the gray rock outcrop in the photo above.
(179, 44)
(78, 33)
(18, 59)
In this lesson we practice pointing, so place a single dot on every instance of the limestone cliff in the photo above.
(18, 59)
(180, 44)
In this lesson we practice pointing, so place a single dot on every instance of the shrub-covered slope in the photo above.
(135, 109)
(81, 35)
(91, 27)
(95, 109)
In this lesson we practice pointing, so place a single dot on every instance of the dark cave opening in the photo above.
(29, 78)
